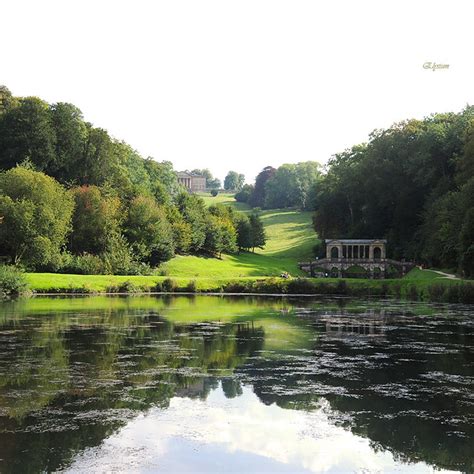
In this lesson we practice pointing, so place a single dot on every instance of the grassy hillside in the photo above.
(224, 198)
(290, 239)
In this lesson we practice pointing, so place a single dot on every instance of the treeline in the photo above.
(73, 199)
(412, 184)
(290, 185)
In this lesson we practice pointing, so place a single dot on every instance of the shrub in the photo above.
(397, 290)
(129, 287)
(412, 293)
(341, 288)
(191, 287)
(301, 286)
(214, 192)
(235, 287)
(85, 264)
(12, 282)
(270, 285)
(452, 293)
(436, 292)
(169, 285)
(466, 293)
(157, 288)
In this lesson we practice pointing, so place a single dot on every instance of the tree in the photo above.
(96, 220)
(193, 211)
(234, 181)
(467, 244)
(71, 133)
(6, 99)
(244, 232)
(258, 195)
(148, 231)
(27, 133)
(259, 237)
(36, 212)
(244, 194)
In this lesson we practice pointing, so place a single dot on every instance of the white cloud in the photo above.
(240, 434)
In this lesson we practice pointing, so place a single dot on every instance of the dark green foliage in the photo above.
(258, 235)
(245, 194)
(258, 196)
(301, 286)
(12, 282)
(411, 184)
(214, 192)
(169, 285)
(27, 132)
(244, 233)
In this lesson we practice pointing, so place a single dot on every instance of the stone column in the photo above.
(371, 252)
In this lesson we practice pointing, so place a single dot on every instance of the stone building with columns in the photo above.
(366, 256)
(356, 249)
(192, 182)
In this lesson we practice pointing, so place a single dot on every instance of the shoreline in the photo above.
(433, 290)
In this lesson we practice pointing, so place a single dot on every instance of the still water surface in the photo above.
(213, 384)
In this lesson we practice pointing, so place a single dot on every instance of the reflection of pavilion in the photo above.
(368, 325)
(366, 254)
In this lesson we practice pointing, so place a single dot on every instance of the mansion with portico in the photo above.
(192, 182)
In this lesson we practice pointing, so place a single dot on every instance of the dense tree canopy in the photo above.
(411, 184)
(290, 185)
(74, 199)
(234, 181)
(36, 216)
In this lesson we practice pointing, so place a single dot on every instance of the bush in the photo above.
(466, 293)
(214, 192)
(235, 287)
(412, 293)
(436, 292)
(270, 286)
(169, 285)
(341, 288)
(85, 264)
(191, 287)
(301, 286)
(129, 287)
(12, 282)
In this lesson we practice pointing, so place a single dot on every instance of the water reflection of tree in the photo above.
(70, 385)
(383, 382)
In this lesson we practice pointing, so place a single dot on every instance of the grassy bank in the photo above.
(428, 288)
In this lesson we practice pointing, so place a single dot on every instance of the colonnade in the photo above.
(355, 252)
(185, 182)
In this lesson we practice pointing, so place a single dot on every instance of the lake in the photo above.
(235, 384)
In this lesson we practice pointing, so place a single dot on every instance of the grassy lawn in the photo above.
(290, 240)
(226, 199)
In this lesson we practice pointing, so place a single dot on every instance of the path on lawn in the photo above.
(448, 276)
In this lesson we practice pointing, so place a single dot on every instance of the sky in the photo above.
(242, 84)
